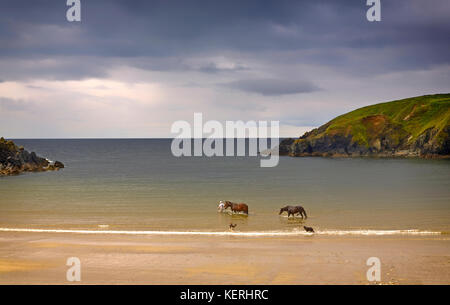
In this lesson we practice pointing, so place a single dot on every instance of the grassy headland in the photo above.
(418, 126)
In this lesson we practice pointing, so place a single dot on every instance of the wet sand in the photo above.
(40, 258)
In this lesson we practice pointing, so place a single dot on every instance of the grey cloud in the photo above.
(217, 54)
(35, 87)
(272, 87)
(54, 68)
(82, 67)
(412, 33)
(214, 68)
(13, 104)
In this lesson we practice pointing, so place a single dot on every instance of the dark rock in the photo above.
(15, 160)
(58, 164)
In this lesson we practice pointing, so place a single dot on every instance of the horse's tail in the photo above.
(304, 212)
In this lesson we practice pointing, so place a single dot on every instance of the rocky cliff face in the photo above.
(15, 160)
(416, 127)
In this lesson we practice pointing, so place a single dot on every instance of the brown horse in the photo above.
(236, 207)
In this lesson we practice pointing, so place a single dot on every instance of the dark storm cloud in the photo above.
(271, 87)
(412, 34)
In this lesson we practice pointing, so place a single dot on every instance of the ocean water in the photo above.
(116, 185)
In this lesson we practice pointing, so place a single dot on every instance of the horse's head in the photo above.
(227, 204)
(282, 210)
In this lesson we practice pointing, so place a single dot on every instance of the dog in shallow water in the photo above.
(232, 226)
(308, 229)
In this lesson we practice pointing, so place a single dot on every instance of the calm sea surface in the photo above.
(136, 184)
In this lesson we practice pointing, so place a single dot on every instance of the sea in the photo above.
(137, 186)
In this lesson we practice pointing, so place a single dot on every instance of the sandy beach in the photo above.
(40, 258)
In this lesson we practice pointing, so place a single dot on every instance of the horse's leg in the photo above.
(304, 212)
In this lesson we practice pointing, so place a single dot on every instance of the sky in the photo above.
(130, 69)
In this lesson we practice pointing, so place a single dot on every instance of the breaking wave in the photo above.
(233, 233)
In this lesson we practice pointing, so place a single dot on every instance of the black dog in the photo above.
(308, 229)
(232, 226)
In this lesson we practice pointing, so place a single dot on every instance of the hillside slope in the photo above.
(418, 126)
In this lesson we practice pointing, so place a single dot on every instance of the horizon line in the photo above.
(139, 138)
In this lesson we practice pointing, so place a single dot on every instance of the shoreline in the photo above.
(40, 258)
(361, 232)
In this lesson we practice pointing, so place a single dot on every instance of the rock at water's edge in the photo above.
(15, 160)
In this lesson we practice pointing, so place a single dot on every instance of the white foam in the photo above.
(229, 233)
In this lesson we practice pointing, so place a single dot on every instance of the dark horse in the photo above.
(236, 207)
(291, 210)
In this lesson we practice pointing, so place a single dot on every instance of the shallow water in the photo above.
(136, 184)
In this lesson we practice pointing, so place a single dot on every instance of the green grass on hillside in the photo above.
(411, 117)
(7, 145)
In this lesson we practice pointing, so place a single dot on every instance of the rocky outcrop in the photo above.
(15, 160)
(416, 127)
(58, 164)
